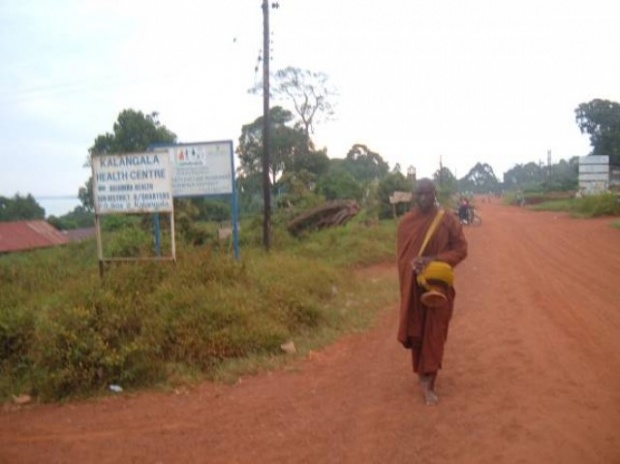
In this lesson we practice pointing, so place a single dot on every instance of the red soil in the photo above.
(531, 375)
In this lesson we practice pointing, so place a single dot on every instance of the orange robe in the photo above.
(424, 330)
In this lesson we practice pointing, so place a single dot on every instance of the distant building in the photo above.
(77, 235)
(29, 235)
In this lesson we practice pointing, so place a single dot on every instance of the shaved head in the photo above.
(424, 194)
(424, 185)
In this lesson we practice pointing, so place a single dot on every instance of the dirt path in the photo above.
(531, 375)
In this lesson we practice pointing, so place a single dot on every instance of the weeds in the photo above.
(607, 204)
(64, 332)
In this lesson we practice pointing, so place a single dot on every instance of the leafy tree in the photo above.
(339, 184)
(562, 176)
(565, 175)
(480, 179)
(20, 208)
(250, 188)
(286, 142)
(354, 177)
(85, 194)
(600, 119)
(528, 176)
(294, 164)
(79, 218)
(445, 180)
(364, 164)
(133, 132)
(287, 145)
(250, 149)
(296, 192)
(392, 182)
(446, 184)
(314, 162)
(213, 209)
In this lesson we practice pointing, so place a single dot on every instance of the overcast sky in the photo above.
(465, 80)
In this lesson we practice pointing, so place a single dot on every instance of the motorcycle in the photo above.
(472, 218)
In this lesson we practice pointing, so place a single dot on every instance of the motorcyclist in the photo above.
(464, 210)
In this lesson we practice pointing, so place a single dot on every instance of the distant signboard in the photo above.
(132, 183)
(593, 174)
(201, 168)
(400, 197)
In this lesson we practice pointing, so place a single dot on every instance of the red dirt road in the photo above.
(531, 375)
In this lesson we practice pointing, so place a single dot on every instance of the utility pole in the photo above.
(411, 174)
(440, 172)
(266, 124)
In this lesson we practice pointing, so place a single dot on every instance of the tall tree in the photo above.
(20, 208)
(480, 179)
(76, 219)
(315, 162)
(250, 187)
(339, 184)
(287, 144)
(308, 92)
(446, 183)
(600, 119)
(565, 175)
(528, 176)
(533, 177)
(133, 132)
(364, 164)
(394, 181)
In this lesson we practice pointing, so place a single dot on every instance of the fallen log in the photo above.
(330, 214)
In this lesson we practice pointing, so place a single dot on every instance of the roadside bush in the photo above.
(129, 242)
(202, 326)
(81, 349)
(66, 332)
(16, 331)
(606, 204)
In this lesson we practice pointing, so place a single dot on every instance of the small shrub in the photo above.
(16, 331)
(606, 204)
(589, 206)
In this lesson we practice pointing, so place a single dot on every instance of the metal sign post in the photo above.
(132, 183)
(204, 169)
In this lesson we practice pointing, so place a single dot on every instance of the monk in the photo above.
(423, 329)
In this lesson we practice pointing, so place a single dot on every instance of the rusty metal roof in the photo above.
(28, 235)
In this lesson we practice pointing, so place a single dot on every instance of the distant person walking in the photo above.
(427, 238)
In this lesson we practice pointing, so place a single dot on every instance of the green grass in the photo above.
(554, 205)
(67, 333)
(588, 206)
